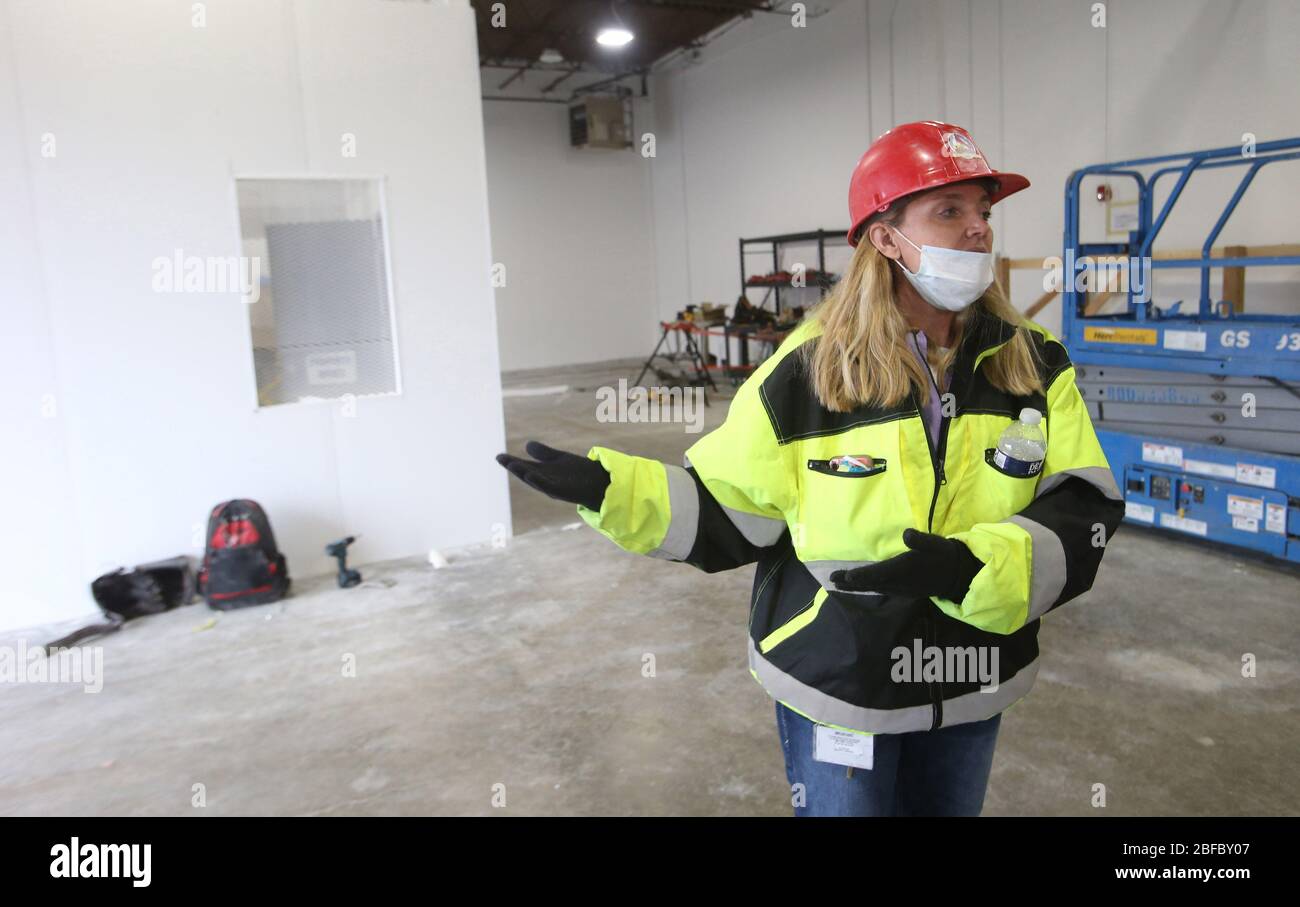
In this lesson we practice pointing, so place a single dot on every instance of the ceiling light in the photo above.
(614, 37)
(551, 55)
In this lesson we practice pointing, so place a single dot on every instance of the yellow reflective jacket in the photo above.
(757, 490)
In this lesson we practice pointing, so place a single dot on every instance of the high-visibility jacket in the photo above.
(758, 489)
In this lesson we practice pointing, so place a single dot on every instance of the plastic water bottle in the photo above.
(1021, 447)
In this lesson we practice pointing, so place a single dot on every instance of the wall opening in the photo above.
(321, 323)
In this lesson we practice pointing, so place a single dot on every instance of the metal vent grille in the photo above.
(323, 325)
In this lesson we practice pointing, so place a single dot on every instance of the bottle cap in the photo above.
(1030, 416)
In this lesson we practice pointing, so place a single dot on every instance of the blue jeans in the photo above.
(923, 773)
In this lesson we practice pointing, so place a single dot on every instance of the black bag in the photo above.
(148, 589)
(241, 565)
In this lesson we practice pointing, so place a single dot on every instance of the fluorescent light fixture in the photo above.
(551, 55)
(614, 37)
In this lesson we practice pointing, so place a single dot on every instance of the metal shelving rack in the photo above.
(771, 245)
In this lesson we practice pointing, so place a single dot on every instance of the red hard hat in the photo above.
(914, 157)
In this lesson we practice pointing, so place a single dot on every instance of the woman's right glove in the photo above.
(559, 474)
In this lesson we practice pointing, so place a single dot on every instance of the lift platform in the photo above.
(1198, 411)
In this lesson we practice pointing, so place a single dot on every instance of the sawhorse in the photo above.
(689, 350)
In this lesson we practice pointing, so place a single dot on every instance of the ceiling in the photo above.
(570, 26)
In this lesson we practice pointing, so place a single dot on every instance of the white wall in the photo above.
(152, 420)
(573, 230)
(762, 134)
(756, 139)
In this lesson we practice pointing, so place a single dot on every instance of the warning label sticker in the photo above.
(1254, 474)
(1185, 340)
(1186, 524)
(1135, 511)
(1276, 521)
(1206, 468)
(1246, 507)
(1165, 454)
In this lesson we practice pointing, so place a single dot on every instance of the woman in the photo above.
(902, 566)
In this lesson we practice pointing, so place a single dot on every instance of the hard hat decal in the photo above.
(957, 145)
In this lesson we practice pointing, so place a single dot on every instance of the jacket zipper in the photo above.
(936, 455)
(937, 452)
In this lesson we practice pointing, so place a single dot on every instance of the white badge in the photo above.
(842, 747)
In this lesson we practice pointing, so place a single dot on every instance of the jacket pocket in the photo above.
(805, 616)
(850, 466)
(1003, 464)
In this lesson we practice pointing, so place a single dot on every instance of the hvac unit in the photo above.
(600, 122)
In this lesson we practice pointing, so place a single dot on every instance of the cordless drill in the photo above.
(339, 550)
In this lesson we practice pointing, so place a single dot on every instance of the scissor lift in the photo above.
(1198, 412)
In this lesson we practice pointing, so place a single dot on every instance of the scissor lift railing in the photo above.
(1175, 476)
(1272, 342)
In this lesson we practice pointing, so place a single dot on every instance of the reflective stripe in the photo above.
(978, 705)
(759, 531)
(683, 514)
(1047, 570)
(1099, 477)
(825, 709)
(822, 570)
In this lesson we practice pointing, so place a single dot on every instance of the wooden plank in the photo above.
(1095, 303)
(1026, 264)
(1225, 251)
(1234, 280)
(1003, 267)
(1037, 264)
(1039, 303)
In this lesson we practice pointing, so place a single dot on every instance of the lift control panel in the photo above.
(1211, 506)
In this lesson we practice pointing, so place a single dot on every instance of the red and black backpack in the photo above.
(241, 565)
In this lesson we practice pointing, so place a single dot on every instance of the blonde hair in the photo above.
(862, 356)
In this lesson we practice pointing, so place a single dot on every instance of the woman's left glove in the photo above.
(935, 566)
(560, 474)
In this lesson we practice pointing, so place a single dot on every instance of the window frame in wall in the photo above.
(379, 186)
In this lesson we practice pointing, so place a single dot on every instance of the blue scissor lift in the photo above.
(1198, 412)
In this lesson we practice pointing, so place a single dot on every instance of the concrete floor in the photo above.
(522, 667)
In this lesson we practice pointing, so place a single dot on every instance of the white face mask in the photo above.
(948, 278)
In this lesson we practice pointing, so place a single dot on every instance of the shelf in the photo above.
(815, 278)
(783, 280)
(807, 236)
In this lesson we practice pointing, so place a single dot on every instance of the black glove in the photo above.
(560, 474)
(935, 566)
